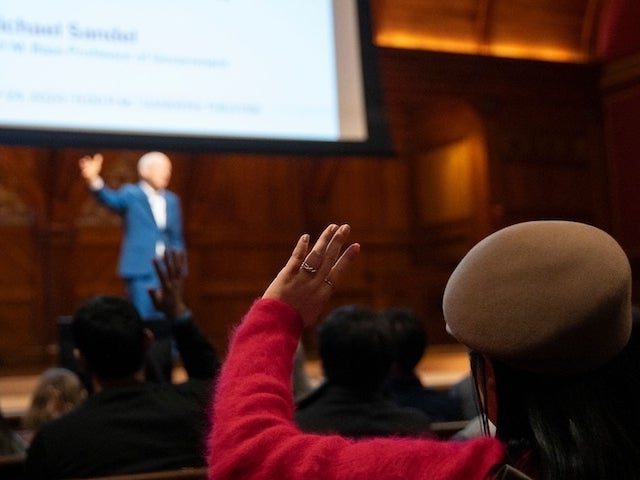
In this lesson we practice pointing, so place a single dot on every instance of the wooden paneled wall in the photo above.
(621, 94)
(479, 143)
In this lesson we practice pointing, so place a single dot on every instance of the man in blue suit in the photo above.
(152, 223)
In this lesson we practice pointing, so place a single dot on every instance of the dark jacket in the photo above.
(133, 428)
(335, 409)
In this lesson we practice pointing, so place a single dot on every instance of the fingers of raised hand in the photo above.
(325, 256)
(335, 245)
(342, 264)
(298, 254)
(319, 261)
(308, 288)
(170, 267)
(175, 263)
(315, 259)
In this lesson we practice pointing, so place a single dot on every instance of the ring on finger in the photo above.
(308, 268)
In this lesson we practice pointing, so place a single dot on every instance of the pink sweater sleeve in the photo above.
(254, 435)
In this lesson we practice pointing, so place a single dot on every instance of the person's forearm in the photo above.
(198, 355)
(253, 408)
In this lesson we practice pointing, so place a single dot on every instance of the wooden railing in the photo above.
(179, 474)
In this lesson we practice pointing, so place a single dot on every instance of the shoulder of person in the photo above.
(172, 194)
(133, 189)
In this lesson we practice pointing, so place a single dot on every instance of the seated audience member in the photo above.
(404, 385)
(356, 351)
(58, 391)
(127, 425)
(13, 450)
(545, 309)
(11, 444)
(464, 393)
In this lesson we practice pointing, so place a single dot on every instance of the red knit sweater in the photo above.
(254, 435)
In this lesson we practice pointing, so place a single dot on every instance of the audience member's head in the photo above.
(410, 339)
(57, 392)
(355, 348)
(547, 307)
(404, 385)
(110, 337)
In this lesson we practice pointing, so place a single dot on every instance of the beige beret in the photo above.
(544, 296)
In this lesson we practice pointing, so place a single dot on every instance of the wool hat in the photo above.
(543, 296)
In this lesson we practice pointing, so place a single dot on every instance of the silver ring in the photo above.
(328, 282)
(308, 268)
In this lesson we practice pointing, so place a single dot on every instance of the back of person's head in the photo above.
(546, 307)
(409, 338)
(109, 334)
(355, 348)
(57, 392)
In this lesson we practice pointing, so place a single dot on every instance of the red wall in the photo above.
(619, 34)
(619, 48)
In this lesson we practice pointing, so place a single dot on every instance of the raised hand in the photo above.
(168, 298)
(308, 279)
(90, 166)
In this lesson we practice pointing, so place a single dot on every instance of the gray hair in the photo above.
(149, 158)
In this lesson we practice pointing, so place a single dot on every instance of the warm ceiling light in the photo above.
(551, 54)
(421, 42)
(441, 44)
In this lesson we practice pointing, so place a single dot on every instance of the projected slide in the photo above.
(226, 68)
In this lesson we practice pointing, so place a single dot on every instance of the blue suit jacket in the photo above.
(140, 230)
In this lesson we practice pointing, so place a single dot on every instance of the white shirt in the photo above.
(158, 204)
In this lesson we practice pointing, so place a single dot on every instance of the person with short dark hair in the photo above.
(356, 352)
(409, 345)
(110, 337)
(128, 425)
